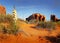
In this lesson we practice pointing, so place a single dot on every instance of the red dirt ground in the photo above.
(28, 35)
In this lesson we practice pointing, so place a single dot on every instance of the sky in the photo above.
(25, 8)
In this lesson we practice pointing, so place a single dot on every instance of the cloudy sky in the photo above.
(27, 7)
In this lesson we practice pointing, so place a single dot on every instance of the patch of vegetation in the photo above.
(32, 21)
(6, 18)
(12, 28)
(58, 23)
(2, 18)
(48, 25)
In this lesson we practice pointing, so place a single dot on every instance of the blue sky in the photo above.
(27, 7)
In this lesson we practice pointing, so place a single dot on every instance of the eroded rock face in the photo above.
(2, 10)
(36, 16)
(54, 18)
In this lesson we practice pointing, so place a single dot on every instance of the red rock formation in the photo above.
(2, 10)
(43, 18)
(36, 16)
(54, 18)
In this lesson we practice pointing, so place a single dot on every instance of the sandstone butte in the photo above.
(2, 10)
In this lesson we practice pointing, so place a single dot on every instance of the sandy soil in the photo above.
(29, 34)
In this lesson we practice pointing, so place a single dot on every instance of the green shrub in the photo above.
(48, 25)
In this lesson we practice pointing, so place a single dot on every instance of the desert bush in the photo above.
(48, 25)
(2, 18)
(58, 23)
(3, 29)
(6, 18)
(33, 21)
(12, 28)
(9, 18)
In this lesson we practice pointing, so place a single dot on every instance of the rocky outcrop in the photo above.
(36, 16)
(2, 10)
(54, 18)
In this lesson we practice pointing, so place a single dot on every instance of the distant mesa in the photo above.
(36, 16)
(53, 18)
(2, 10)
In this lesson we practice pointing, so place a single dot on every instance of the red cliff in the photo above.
(2, 10)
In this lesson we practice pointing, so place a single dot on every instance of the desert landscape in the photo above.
(33, 21)
(35, 29)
